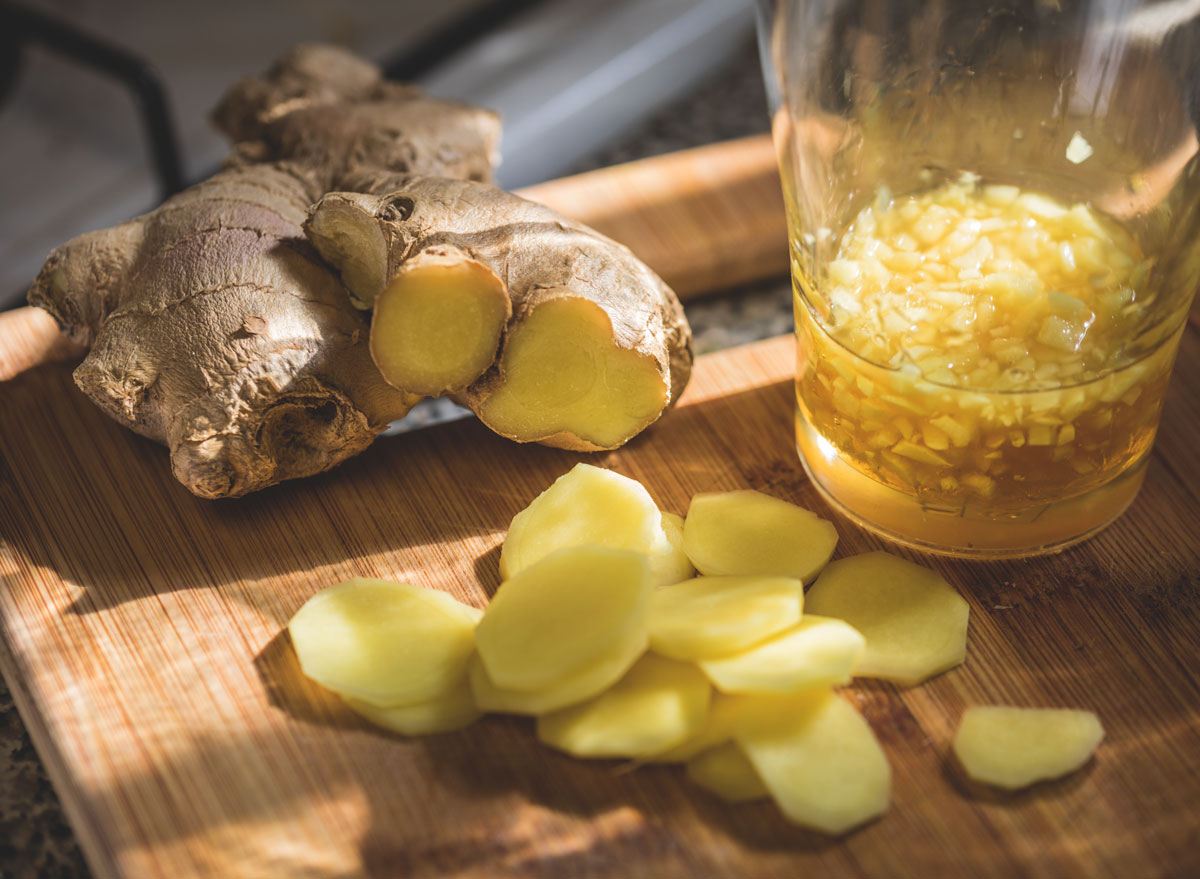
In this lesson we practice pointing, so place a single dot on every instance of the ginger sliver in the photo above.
(751, 533)
(1015, 747)
(591, 505)
(716, 616)
(450, 711)
(384, 643)
(727, 772)
(914, 623)
(567, 611)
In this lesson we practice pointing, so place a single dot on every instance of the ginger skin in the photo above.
(213, 324)
(560, 335)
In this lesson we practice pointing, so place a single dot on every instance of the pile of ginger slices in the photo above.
(632, 633)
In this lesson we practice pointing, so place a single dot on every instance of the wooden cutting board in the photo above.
(141, 632)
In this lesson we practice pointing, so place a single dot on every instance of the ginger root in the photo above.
(213, 324)
(543, 327)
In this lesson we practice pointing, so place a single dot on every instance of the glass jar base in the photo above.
(901, 518)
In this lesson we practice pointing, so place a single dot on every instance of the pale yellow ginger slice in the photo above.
(384, 643)
(658, 703)
(817, 652)
(727, 772)
(716, 616)
(563, 614)
(578, 687)
(448, 712)
(718, 728)
(818, 758)
(674, 566)
(1014, 747)
(747, 532)
(914, 622)
(591, 505)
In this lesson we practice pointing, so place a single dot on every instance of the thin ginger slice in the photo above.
(563, 614)
(446, 713)
(591, 505)
(384, 643)
(673, 566)
(818, 758)
(437, 324)
(1014, 747)
(578, 687)
(914, 622)
(727, 772)
(658, 703)
(723, 710)
(816, 652)
(566, 381)
(748, 532)
(716, 616)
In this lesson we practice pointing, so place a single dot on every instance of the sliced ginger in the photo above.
(564, 613)
(816, 652)
(565, 379)
(384, 643)
(578, 687)
(450, 711)
(590, 505)
(658, 703)
(727, 772)
(914, 622)
(1014, 747)
(437, 324)
(748, 532)
(818, 758)
(716, 616)
(673, 566)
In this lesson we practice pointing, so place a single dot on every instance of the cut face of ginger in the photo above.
(590, 505)
(816, 652)
(715, 616)
(728, 773)
(437, 324)
(384, 643)
(565, 375)
(747, 532)
(1015, 747)
(914, 623)
(659, 703)
(818, 758)
(564, 613)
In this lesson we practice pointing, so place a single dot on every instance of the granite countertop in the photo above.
(35, 839)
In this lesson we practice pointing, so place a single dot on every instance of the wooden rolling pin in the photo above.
(704, 219)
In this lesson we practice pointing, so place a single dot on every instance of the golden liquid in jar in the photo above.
(969, 375)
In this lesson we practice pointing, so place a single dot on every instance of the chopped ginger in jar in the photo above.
(973, 348)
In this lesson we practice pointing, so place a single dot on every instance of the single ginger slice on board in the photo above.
(1014, 747)
(560, 335)
(818, 758)
(384, 643)
(748, 532)
(591, 505)
(565, 613)
(914, 622)
(709, 617)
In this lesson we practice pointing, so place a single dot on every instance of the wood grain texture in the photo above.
(142, 635)
(705, 219)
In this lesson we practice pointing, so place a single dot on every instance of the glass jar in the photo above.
(994, 217)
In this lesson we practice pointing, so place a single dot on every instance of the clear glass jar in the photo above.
(985, 397)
